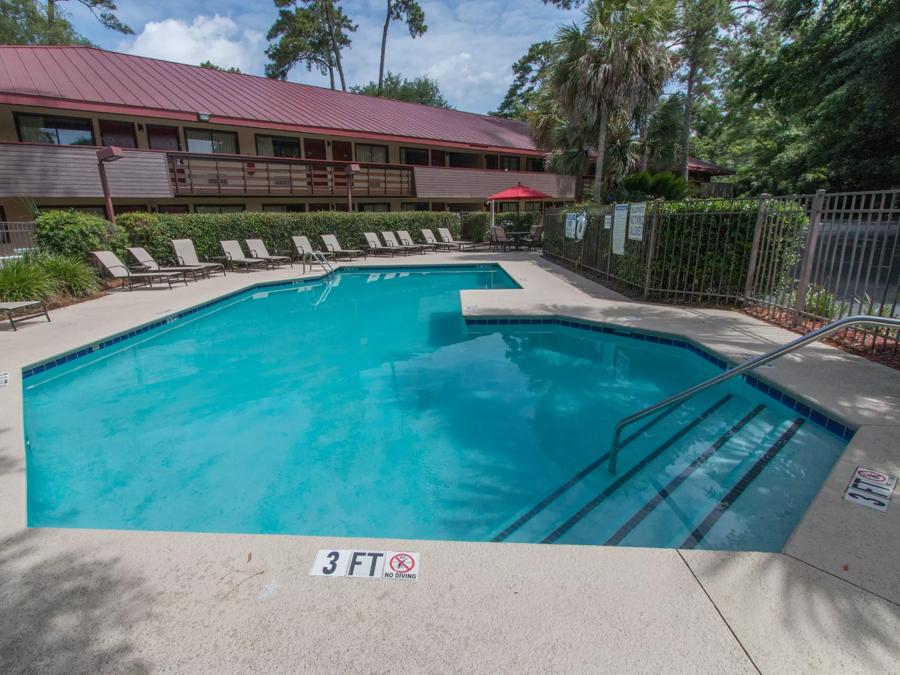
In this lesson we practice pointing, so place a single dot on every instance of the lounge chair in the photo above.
(375, 246)
(146, 262)
(12, 309)
(447, 238)
(499, 238)
(429, 239)
(533, 238)
(117, 270)
(235, 255)
(391, 240)
(258, 250)
(335, 248)
(186, 255)
(305, 250)
(407, 241)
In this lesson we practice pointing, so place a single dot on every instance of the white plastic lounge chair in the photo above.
(13, 310)
(258, 250)
(146, 262)
(235, 254)
(429, 239)
(117, 270)
(375, 246)
(447, 238)
(391, 240)
(186, 255)
(407, 241)
(334, 247)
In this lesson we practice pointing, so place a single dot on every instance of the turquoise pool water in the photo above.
(364, 406)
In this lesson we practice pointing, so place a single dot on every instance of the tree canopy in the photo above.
(418, 90)
(28, 22)
(528, 74)
(213, 66)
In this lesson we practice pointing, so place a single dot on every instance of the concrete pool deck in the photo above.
(113, 601)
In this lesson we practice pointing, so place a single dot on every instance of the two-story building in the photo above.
(201, 140)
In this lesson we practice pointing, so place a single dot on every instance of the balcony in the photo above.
(200, 175)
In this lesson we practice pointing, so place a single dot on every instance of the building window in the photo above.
(533, 207)
(93, 210)
(535, 164)
(491, 162)
(130, 208)
(173, 208)
(507, 207)
(463, 160)
(218, 208)
(284, 208)
(117, 133)
(417, 156)
(320, 207)
(371, 153)
(211, 142)
(277, 146)
(162, 137)
(509, 163)
(458, 207)
(414, 206)
(438, 158)
(56, 130)
(373, 208)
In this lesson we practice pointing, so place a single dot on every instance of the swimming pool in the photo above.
(364, 405)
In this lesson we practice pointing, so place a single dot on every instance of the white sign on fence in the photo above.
(618, 233)
(636, 221)
(571, 225)
(581, 225)
(607, 222)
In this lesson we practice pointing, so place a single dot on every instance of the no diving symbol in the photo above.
(402, 563)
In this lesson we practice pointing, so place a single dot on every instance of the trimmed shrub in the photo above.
(667, 185)
(76, 234)
(642, 181)
(71, 276)
(476, 224)
(21, 279)
(154, 231)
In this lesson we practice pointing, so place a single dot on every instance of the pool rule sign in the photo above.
(870, 488)
(389, 565)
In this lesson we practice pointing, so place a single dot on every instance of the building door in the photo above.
(438, 158)
(342, 151)
(313, 148)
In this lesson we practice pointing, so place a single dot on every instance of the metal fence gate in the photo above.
(799, 260)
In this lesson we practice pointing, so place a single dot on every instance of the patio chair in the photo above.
(146, 262)
(391, 240)
(335, 248)
(447, 238)
(304, 250)
(186, 255)
(258, 250)
(375, 246)
(116, 269)
(12, 309)
(429, 239)
(499, 239)
(533, 238)
(235, 255)
(407, 241)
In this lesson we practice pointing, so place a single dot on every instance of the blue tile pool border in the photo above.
(92, 348)
(802, 409)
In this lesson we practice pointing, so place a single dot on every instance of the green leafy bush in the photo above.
(667, 185)
(21, 279)
(642, 181)
(154, 231)
(76, 234)
(476, 224)
(71, 276)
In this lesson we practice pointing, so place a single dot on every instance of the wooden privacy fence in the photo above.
(800, 260)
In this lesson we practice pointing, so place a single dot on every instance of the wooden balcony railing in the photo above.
(196, 174)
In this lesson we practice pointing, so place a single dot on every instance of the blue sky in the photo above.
(469, 47)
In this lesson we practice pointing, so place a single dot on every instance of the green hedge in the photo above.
(476, 224)
(154, 231)
(76, 234)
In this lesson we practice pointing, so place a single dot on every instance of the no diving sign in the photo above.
(395, 565)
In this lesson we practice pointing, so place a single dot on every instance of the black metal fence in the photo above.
(800, 260)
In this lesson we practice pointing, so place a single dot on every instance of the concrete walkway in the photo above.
(112, 601)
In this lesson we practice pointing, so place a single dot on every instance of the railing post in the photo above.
(651, 248)
(754, 249)
(809, 251)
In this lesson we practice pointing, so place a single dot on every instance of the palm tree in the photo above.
(613, 64)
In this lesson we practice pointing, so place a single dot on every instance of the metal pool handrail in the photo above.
(818, 334)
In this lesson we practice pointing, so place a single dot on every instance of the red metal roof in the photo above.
(95, 79)
(702, 166)
(518, 192)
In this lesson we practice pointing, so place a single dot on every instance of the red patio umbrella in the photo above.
(517, 193)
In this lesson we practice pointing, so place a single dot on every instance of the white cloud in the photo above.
(207, 38)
